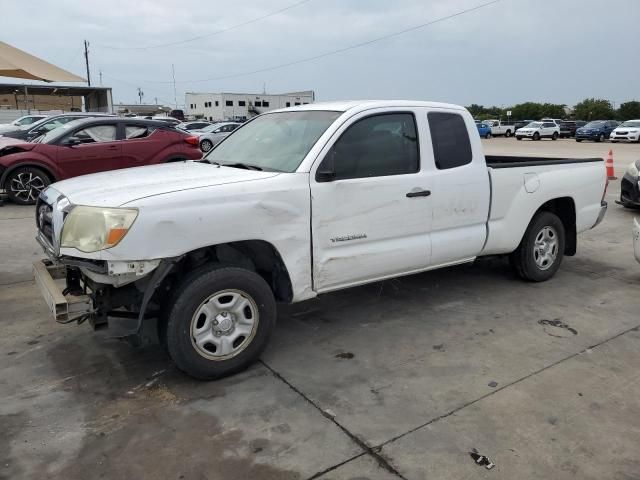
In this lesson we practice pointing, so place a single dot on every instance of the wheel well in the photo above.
(44, 169)
(255, 255)
(565, 209)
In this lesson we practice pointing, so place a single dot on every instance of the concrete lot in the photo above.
(399, 379)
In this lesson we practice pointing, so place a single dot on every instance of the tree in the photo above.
(629, 110)
(594, 109)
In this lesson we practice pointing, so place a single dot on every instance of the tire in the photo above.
(554, 137)
(601, 137)
(536, 136)
(488, 135)
(528, 261)
(507, 133)
(613, 141)
(24, 184)
(206, 145)
(578, 140)
(518, 138)
(214, 291)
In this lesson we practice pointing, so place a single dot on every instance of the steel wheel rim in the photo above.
(206, 145)
(224, 324)
(27, 186)
(545, 248)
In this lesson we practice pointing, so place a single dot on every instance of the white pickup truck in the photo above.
(498, 128)
(295, 203)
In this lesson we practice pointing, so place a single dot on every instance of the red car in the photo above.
(89, 146)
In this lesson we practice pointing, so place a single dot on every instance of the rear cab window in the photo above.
(449, 139)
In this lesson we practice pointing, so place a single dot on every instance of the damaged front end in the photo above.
(83, 289)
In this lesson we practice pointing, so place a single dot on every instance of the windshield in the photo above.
(631, 123)
(596, 124)
(274, 141)
(534, 125)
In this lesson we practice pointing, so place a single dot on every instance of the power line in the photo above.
(334, 52)
(217, 32)
(133, 85)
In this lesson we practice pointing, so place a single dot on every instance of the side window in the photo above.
(132, 132)
(375, 146)
(97, 134)
(450, 140)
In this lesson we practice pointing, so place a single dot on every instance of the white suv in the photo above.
(628, 131)
(538, 130)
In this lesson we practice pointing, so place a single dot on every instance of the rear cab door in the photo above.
(460, 185)
(370, 197)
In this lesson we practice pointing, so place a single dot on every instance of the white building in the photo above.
(230, 106)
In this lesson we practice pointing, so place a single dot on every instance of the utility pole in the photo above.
(175, 95)
(100, 77)
(140, 94)
(86, 61)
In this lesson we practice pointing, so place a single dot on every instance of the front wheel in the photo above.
(536, 136)
(541, 250)
(220, 321)
(578, 140)
(601, 137)
(518, 138)
(488, 135)
(24, 184)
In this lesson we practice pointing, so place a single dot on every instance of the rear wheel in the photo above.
(536, 136)
(541, 250)
(206, 145)
(578, 140)
(554, 136)
(507, 133)
(518, 138)
(220, 321)
(24, 184)
(601, 137)
(488, 135)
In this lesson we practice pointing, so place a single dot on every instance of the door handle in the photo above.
(112, 147)
(419, 193)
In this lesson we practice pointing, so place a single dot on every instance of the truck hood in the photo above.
(118, 187)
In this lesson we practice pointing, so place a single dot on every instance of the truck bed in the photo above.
(505, 161)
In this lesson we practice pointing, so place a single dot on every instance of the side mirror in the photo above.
(71, 141)
(326, 171)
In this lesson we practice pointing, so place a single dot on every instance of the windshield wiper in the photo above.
(242, 165)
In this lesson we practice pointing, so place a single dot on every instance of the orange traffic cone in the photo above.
(609, 164)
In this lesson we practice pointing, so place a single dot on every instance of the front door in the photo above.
(98, 151)
(370, 203)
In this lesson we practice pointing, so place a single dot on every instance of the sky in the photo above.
(507, 52)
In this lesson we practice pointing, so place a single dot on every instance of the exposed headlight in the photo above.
(632, 171)
(90, 229)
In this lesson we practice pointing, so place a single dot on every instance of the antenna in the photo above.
(175, 95)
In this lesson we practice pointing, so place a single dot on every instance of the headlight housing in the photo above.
(90, 229)
(633, 169)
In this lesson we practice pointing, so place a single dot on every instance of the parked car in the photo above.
(163, 118)
(295, 203)
(484, 130)
(538, 130)
(214, 134)
(568, 127)
(88, 146)
(630, 186)
(500, 128)
(598, 130)
(44, 126)
(177, 114)
(626, 131)
(557, 121)
(195, 125)
(521, 123)
(20, 122)
(636, 239)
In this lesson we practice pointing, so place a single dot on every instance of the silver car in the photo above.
(213, 134)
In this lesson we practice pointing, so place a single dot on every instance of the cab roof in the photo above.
(360, 105)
